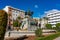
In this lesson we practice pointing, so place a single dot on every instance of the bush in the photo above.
(58, 26)
(15, 23)
(54, 28)
(38, 32)
(3, 24)
(48, 26)
(50, 37)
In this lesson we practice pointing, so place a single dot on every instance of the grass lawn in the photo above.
(50, 37)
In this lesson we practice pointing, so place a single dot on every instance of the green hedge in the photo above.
(50, 37)
(58, 27)
(48, 26)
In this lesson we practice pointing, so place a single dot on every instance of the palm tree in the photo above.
(29, 13)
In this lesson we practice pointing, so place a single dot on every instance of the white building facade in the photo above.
(43, 22)
(13, 13)
(53, 16)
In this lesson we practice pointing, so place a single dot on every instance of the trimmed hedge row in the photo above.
(50, 37)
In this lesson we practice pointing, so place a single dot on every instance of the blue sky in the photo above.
(38, 6)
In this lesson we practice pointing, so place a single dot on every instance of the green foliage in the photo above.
(19, 24)
(29, 12)
(54, 28)
(48, 26)
(50, 37)
(18, 18)
(16, 24)
(58, 26)
(3, 23)
(38, 32)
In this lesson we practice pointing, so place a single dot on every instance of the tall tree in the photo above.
(29, 13)
(3, 24)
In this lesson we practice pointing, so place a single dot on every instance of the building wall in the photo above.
(54, 16)
(43, 22)
(13, 13)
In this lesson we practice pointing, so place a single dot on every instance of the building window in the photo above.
(51, 14)
(9, 10)
(48, 15)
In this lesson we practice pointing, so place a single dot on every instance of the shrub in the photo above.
(38, 32)
(15, 23)
(48, 26)
(58, 26)
(54, 28)
(3, 24)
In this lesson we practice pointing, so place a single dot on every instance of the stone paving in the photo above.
(58, 38)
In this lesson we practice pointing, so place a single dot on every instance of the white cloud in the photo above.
(36, 6)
